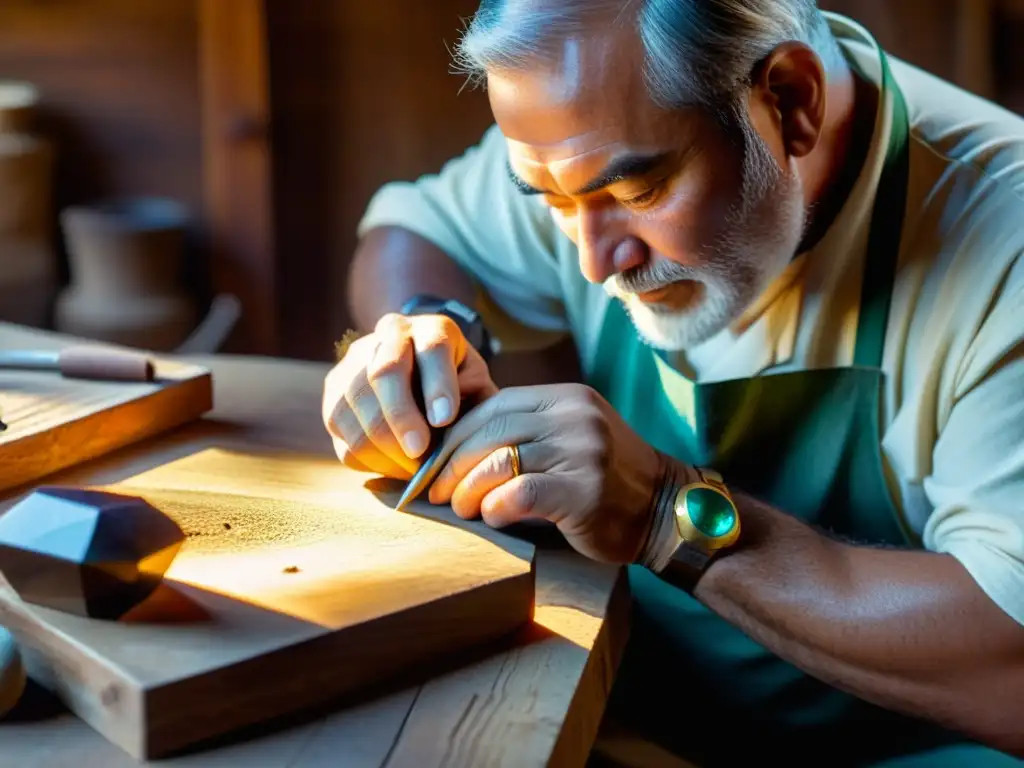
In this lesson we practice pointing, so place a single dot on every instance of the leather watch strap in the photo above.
(685, 568)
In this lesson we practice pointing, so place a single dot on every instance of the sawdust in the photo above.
(216, 523)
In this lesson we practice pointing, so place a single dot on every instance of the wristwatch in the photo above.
(706, 523)
(467, 318)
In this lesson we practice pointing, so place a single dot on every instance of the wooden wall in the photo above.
(360, 95)
(119, 81)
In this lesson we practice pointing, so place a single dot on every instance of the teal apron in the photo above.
(807, 442)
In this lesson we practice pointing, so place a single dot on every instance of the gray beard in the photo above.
(758, 240)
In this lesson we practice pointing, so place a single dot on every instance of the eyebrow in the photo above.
(620, 169)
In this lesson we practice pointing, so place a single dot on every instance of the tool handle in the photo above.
(105, 364)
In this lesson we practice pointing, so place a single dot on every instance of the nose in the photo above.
(604, 252)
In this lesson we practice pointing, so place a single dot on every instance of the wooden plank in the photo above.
(237, 165)
(272, 605)
(54, 422)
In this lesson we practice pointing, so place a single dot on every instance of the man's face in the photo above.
(683, 220)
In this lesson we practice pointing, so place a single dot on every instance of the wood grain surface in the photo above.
(54, 422)
(274, 603)
(537, 701)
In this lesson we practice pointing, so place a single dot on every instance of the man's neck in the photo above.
(833, 169)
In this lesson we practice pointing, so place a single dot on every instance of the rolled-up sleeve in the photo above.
(977, 483)
(504, 240)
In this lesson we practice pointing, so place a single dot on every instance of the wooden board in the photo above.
(54, 423)
(273, 605)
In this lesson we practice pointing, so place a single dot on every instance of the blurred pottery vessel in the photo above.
(125, 258)
(28, 266)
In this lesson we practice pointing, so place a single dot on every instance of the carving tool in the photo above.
(434, 455)
(83, 362)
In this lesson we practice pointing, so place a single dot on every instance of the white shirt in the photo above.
(953, 439)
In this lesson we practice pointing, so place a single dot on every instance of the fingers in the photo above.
(389, 374)
(347, 394)
(349, 460)
(493, 491)
(511, 400)
(440, 349)
(356, 449)
(370, 434)
(528, 497)
(504, 429)
(381, 400)
(492, 471)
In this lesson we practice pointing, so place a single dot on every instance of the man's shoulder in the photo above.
(961, 273)
(966, 193)
(960, 138)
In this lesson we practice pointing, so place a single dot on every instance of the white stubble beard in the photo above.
(759, 239)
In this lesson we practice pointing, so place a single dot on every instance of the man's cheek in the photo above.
(690, 218)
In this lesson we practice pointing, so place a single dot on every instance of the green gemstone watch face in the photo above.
(710, 512)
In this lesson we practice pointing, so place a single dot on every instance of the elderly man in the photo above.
(791, 267)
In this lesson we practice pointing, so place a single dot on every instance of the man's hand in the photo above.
(582, 468)
(368, 402)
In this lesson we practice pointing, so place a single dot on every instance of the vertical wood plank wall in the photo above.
(362, 94)
(234, 80)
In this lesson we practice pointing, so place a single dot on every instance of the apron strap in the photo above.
(886, 232)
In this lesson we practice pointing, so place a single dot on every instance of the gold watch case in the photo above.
(706, 515)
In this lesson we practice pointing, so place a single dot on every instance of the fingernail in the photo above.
(413, 444)
(440, 410)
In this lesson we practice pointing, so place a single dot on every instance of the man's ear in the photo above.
(791, 84)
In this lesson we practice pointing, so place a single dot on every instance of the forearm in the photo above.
(391, 265)
(908, 630)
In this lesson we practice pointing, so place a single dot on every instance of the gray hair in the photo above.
(696, 51)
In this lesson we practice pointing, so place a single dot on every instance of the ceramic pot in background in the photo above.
(125, 259)
(28, 264)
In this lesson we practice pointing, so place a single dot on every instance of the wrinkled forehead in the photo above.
(586, 83)
(583, 101)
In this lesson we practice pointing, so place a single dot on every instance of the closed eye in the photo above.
(644, 198)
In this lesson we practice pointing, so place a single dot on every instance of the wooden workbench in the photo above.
(536, 703)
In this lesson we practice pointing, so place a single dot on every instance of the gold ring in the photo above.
(517, 467)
